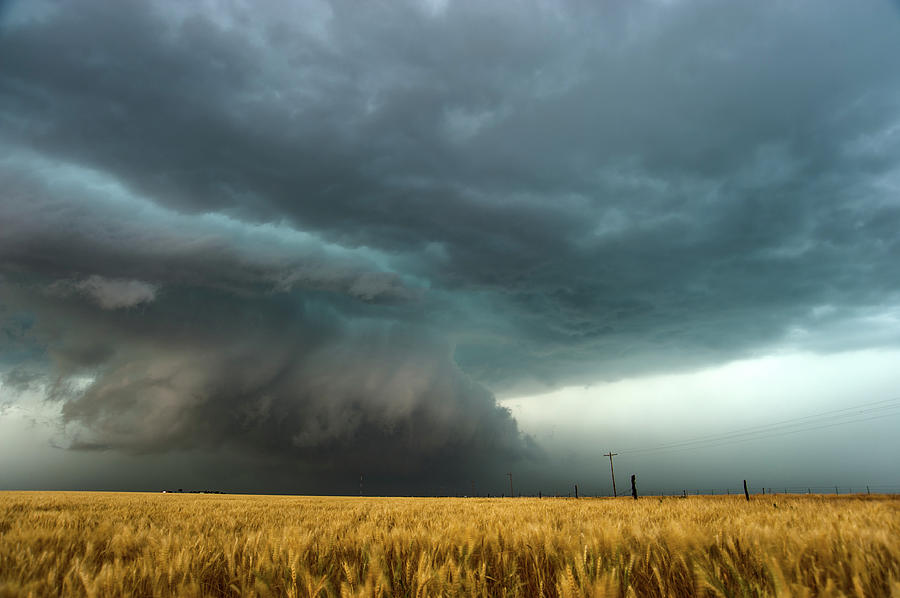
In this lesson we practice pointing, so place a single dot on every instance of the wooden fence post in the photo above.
(746, 493)
(633, 488)
(576, 490)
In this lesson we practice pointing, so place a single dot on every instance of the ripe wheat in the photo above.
(109, 544)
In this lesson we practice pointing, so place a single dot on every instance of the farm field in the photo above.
(132, 544)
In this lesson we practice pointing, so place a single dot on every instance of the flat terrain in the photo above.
(118, 544)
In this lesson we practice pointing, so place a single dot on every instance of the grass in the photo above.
(120, 544)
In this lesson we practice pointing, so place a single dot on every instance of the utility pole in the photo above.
(510, 485)
(612, 473)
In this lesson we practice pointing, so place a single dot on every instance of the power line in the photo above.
(826, 419)
(692, 445)
(887, 404)
(755, 438)
(774, 435)
(763, 434)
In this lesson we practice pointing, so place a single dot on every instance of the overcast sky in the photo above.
(271, 246)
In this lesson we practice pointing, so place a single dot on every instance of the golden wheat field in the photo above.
(123, 544)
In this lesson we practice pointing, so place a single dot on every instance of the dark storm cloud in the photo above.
(291, 380)
(201, 333)
(320, 229)
(277, 376)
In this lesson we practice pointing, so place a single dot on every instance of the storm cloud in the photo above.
(333, 234)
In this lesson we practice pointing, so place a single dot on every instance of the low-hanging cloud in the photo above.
(286, 379)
